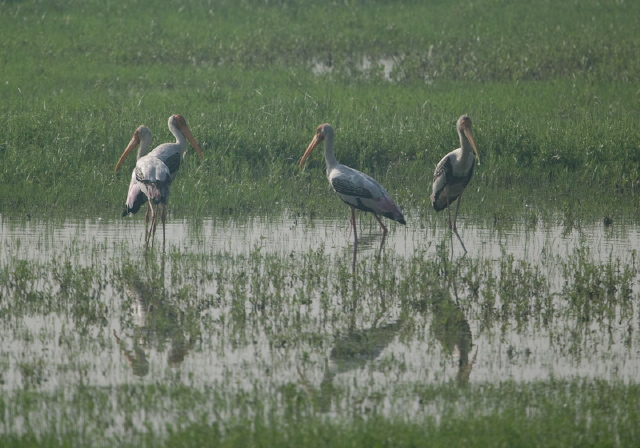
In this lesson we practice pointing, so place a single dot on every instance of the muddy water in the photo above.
(458, 347)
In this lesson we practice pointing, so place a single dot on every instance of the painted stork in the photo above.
(150, 180)
(356, 189)
(154, 179)
(136, 198)
(171, 153)
(155, 171)
(454, 172)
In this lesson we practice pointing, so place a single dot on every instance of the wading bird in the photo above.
(136, 198)
(155, 171)
(150, 181)
(356, 189)
(454, 172)
(171, 153)
(154, 179)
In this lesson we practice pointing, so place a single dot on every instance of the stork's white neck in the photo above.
(329, 155)
(177, 133)
(145, 145)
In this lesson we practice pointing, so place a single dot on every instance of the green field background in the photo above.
(552, 87)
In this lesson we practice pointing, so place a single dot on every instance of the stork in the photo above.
(454, 172)
(356, 189)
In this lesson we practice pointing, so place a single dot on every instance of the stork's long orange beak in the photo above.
(315, 142)
(135, 141)
(187, 133)
(469, 134)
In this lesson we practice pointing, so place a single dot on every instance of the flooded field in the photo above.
(240, 317)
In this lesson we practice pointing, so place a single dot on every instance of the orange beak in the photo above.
(135, 141)
(187, 133)
(315, 142)
(469, 134)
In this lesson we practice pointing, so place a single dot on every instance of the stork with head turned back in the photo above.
(454, 172)
(356, 189)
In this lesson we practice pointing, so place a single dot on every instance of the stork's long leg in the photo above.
(384, 229)
(455, 230)
(455, 216)
(154, 223)
(148, 231)
(164, 219)
(355, 258)
(384, 236)
(353, 224)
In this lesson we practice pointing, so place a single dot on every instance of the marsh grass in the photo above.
(612, 420)
(553, 105)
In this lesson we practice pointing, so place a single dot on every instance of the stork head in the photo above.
(464, 129)
(135, 141)
(179, 122)
(321, 132)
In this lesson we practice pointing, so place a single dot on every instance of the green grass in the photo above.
(553, 98)
(557, 413)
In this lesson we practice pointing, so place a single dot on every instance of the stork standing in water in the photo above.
(136, 198)
(356, 189)
(155, 171)
(454, 172)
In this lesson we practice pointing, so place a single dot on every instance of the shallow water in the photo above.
(368, 349)
(38, 239)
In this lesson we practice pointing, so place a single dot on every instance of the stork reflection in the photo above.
(450, 327)
(155, 321)
(366, 243)
(354, 349)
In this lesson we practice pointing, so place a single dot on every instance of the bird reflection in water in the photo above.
(451, 328)
(358, 347)
(155, 321)
(366, 243)
(352, 350)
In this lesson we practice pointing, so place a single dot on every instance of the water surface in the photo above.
(240, 304)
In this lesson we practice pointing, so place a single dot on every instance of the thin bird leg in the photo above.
(154, 224)
(384, 229)
(147, 233)
(455, 217)
(450, 226)
(384, 236)
(353, 223)
(449, 211)
(164, 219)
(355, 257)
(146, 223)
(455, 230)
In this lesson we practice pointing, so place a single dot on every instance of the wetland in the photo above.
(240, 320)
(256, 323)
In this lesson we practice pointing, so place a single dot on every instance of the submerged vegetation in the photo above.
(220, 341)
(270, 345)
